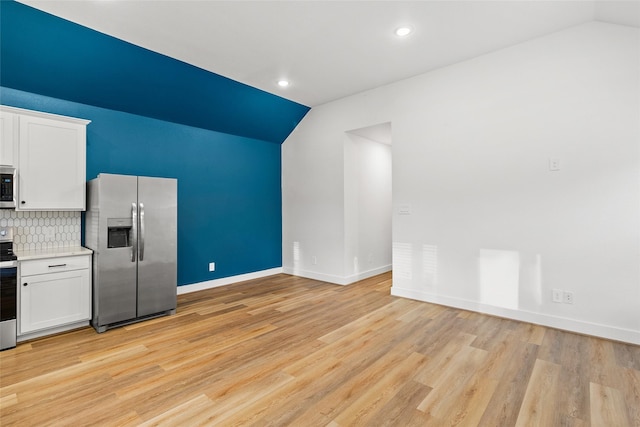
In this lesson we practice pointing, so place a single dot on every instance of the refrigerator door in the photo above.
(115, 284)
(157, 244)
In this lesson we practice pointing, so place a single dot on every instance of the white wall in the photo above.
(313, 203)
(367, 206)
(470, 160)
(336, 206)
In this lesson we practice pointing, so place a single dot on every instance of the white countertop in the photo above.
(52, 253)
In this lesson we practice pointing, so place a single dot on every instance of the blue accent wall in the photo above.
(47, 55)
(156, 116)
(229, 192)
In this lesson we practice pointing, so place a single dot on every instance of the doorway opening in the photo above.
(367, 201)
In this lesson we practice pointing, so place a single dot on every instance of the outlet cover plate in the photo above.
(557, 295)
(568, 297)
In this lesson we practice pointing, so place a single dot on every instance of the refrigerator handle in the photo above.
(134, 231)
(141, 242)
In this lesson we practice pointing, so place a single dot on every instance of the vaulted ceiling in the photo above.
(45, 55)
(330, 49)
(215, 64)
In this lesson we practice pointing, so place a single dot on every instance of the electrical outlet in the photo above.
(314, 260)
(557, 295)
(554, 164)
(212, 266)
(49, 233)
(568, 297)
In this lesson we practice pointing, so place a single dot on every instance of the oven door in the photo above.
(8, 304)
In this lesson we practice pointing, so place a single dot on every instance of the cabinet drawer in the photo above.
(54, 265)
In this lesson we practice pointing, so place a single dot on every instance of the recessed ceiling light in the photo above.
(283, 83)
(403, 31)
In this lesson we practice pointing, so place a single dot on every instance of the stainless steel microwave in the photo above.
(8, 183)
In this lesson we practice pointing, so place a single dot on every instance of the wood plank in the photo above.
(608, 407)
(285, 350)
(603, 366)
(538, 406)
(631, 390)
(531, 333)
(504, 406)
(370, 321)
(333, 394)
(452, 382)
(363, 410)
(573, 389)
(191, 412)
(398, 412)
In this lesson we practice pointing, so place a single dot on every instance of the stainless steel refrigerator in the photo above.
(131, 226)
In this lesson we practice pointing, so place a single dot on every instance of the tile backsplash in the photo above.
(42, 230)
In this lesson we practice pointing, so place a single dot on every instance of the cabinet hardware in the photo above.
(58, 265)
(24, 284)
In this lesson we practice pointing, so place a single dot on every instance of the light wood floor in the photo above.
(291, 351)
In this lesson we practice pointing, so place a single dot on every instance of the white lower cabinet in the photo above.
(54, 292)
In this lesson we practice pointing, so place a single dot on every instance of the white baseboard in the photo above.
(337, 280)
(330, 278)
(194, 287)
(366, 274)
(572, 325)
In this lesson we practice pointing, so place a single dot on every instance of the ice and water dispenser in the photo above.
(119, 232)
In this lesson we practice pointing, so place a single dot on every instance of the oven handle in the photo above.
(8, 264)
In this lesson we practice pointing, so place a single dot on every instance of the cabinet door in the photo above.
(52, 168)
(8, 140)
(50, 300)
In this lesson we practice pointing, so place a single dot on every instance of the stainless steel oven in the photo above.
(8, 183)
(8, 290)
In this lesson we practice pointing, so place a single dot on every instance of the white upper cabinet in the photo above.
(8, 139)
(52, 167)
(51, 161)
